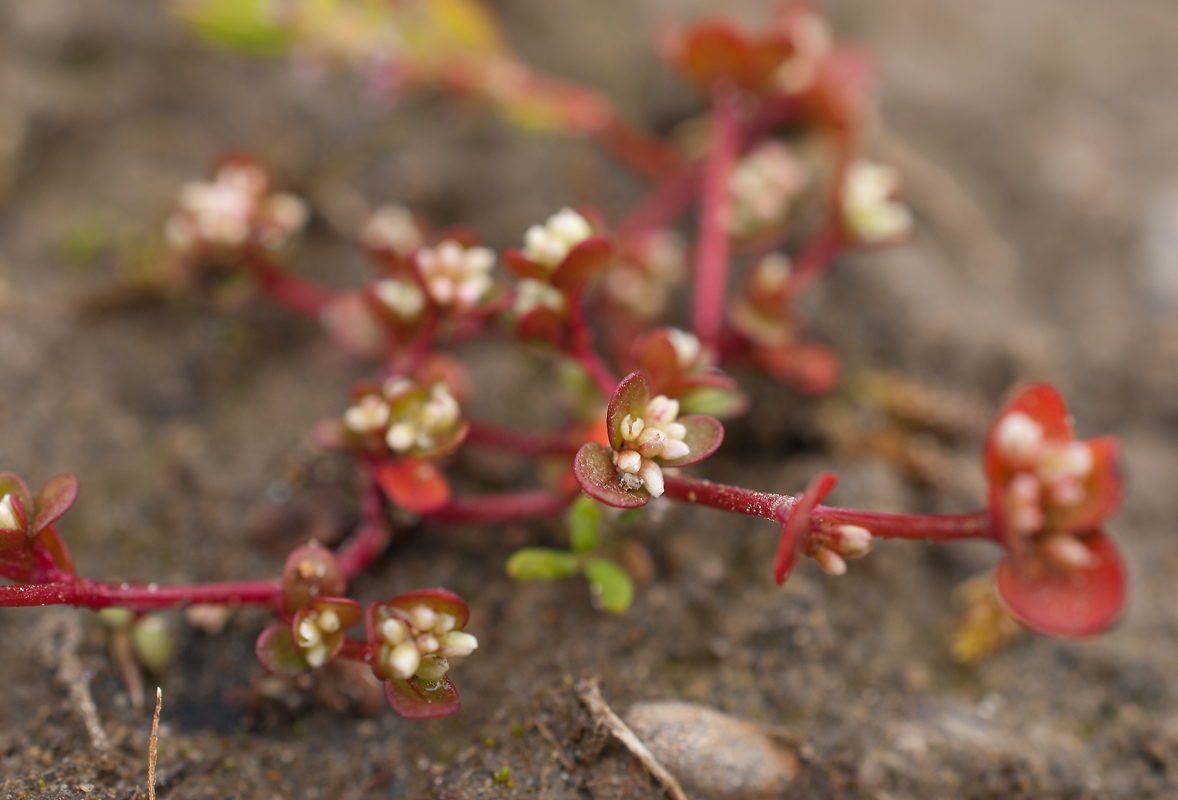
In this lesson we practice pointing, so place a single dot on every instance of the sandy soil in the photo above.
(1038, 141)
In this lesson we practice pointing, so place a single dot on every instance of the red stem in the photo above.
(581, 348)
(813, 261)
(770, 506)
(355, 649)
(711, 258)
(75, 591)
(288, 290)
(371, 537)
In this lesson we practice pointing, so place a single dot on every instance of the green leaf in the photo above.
(583, 523)
(246, 25)
(541, 564)
(610, 584)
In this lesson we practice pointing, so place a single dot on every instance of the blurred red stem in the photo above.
(712, 252)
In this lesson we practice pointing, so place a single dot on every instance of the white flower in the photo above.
(686, 346)
(456, 275)
(762, 184)
(548, 244)
(655, 434)
(371, 413)
(531, 294)
(403, 298)
(1019, 439)
(871, 215)
(419, 642)
(8, 514)
(392, 227)
(420, 424)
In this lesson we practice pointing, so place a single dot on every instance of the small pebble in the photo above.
(712, 754)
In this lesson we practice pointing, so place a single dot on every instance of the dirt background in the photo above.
(1038, 141)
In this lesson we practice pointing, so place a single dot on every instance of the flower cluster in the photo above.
(216, 218)
(653, 435)
(645, 435)
(405, 418)
(1049, 496)
(410, 641)
(763, 184)
(454, 275)
(871, 214)
(319, 628)
(417, 642)
(549, 244)
(557, 258)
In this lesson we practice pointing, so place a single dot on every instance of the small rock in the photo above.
(712, 754)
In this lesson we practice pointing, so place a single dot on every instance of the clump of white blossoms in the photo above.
(393, 228)
(1048, 478)
(232, 208)
(313, 633)
(419, 423)
(403, 297)
(653, 435)
(410, 419)
(419, 642)
(455, 275)
(763, 184)
(531, 294)
(870, 211)
(550, 243)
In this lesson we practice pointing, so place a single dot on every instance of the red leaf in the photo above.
(1072, 604)
(439, 599)
(595, 472)
(52, 542)
(277, 652)
(417, 486)
(54, 499)
(811, 369)
(704, 435)
(416, 699)
(541, 323)
(521, 266)
(797, 524)
(631, 397)
(1043, 403)
(588, 257)
(715, 51)
(310, 572)
(1102, 490)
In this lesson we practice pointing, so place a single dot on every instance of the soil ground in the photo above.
(1038, 143)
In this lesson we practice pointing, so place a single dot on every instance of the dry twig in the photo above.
(154, 743)
(63, 634)
(590, 695)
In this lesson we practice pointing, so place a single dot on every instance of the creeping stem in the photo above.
(711, 257)
(68, 590)
(776, 507)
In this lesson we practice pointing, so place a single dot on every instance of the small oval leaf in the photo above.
(796, 524)
(54, 499)
(584, 520)
(583, 261)
(415, 485)
(1071, 605)
(595, 472)
(416, 699)
(630, 398)
(278, 653)
(704, 435)
(610, 584)
(542, 564)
